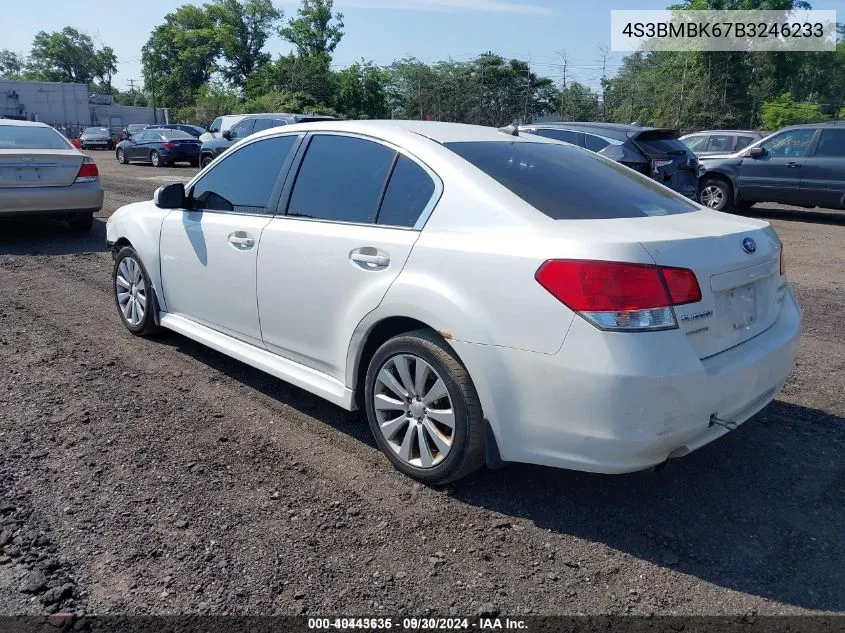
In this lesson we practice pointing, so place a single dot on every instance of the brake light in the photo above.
(619, 295)
(169, 145)
(88, 171)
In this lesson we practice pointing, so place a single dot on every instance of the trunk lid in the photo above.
(741, 291)
(39, 168)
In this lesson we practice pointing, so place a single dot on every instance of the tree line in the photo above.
(210, 59)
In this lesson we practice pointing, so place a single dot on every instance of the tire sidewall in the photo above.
(155, 158)
(443, 472)
(121, 156)
(148, 321)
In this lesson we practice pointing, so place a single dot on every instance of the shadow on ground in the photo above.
(759, 511)
(46, 236)
(803, 215)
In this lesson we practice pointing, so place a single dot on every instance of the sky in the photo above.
(377, 30)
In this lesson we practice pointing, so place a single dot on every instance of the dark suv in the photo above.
(250, 125)
(655, 152)
(802, 165)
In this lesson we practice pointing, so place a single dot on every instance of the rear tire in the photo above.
(132, 285)
(716, 194)
(155, 159)
(435, 440)
(82, 221)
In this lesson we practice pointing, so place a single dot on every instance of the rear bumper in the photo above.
(84, 196)
(176, 156)
(622, 402)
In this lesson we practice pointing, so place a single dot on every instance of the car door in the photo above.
(139, 141)
(776, 175)
(352, 217)
(208, 249)
(241, 130)
(823, 174)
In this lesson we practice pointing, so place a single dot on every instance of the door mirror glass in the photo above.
(170, 196)
(757, 152)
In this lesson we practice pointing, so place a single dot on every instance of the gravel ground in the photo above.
(159, 477)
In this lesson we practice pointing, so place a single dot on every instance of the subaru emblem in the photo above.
(749, 245)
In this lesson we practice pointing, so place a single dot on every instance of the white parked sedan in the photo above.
(482, 296)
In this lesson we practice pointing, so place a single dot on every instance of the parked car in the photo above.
(220, 125)
(41, 173)
(802, 165)
(194, 130)
(97, 138)
(160, 147)
(250, 125)
(481, 296)
(655, 152)
(131, 130)
(711, 142)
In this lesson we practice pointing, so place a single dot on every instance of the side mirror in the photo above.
(227, 135)
(170, 196)
(757, 152)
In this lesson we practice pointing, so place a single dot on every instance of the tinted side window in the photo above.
(743, 141)
(215, 125)
(562, 135)
(243, 129)
(565, 183)
(695, 143)
(407, 194)
(341, 178)
(244, 181)
(831, 143)
(719, 143)
(790, 144)
(595, 143)
(266, 124)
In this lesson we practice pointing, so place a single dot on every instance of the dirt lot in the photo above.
(156, 476)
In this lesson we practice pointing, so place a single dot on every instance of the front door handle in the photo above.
(241, 240)
(369, 258)
(793, 165)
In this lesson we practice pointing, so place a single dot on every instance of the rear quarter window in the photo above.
(655, 145)
(567, 183)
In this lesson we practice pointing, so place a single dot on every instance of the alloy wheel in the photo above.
(712, 196)
(154, 159)
(414, 410)
(131, 291)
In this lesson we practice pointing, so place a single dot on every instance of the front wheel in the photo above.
(121, 156)
(716, 194)
(205, 161)
(133, 293)
(155, 159)
(423, 409)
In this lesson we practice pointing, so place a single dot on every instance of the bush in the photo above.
(784, 111)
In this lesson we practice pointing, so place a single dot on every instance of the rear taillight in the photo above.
(620, 296)
(169, 145)
(88, 171)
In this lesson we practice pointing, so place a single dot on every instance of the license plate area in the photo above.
(741, 306)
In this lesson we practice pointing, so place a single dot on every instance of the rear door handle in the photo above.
(793, 165)
(241, 240)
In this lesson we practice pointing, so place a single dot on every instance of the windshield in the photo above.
(94, 131)
(34, 137)
(568, 183)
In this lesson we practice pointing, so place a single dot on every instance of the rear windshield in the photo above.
(175, 134)
(96, 130)
(568, 183)
(660, 144)
(35, 137)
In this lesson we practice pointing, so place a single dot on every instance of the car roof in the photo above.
(620, 131)
(820, 124)
(22, 123)
(725, 132)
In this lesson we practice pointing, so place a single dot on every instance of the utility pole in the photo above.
(681, 104)
(563, 63)
(528, 90)
(604, 51)
(131, 83)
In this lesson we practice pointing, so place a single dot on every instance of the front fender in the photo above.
(140, 225)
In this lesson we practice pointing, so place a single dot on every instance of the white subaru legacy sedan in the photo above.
(484, 297)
